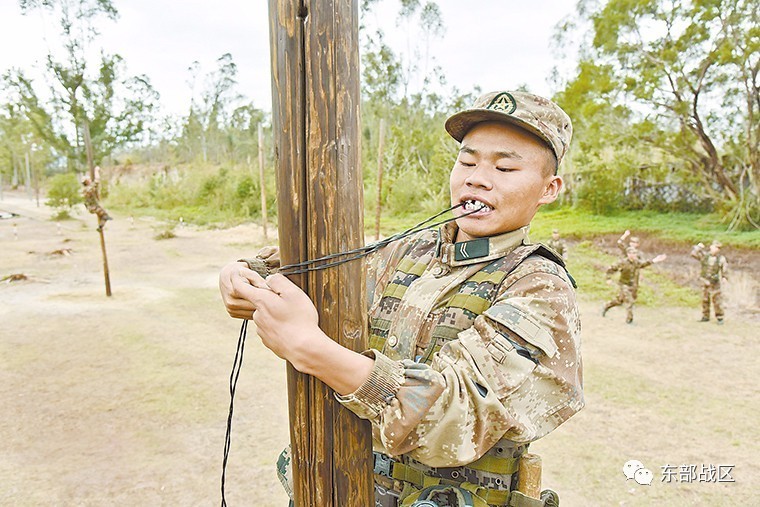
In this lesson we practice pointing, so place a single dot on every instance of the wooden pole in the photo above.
(88, 147)
(315, 109)
(261, 181)
(380, 149)
(28, 171)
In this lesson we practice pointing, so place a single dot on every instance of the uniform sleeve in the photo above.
(516, 373)
(612, 269)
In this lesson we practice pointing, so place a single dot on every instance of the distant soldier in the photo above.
(558, 244)
(623, 245)
(714, 270)
(628, 282)
(91, 194)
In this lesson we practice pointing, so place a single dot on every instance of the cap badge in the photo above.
(503, 102)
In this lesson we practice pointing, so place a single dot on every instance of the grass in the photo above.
(687, 228)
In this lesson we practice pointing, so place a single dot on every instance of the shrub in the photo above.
(64, 191)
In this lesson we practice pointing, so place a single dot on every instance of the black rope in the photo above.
(233, 385)
(308, 265)
(358, 253)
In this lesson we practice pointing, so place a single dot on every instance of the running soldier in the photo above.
(628, 282)
(714, 271)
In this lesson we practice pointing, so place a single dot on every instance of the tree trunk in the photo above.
(315, 109)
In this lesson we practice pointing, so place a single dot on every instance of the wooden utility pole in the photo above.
(261, 181)
(315, 109)
(380, 149)
(91, 165)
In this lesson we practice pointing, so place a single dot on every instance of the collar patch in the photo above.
(503, 102)
(471, 249)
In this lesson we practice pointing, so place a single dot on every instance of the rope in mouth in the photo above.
(358, 253)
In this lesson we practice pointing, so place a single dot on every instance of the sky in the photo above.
(494, 44)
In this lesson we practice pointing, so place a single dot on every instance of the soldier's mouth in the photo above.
(475, 206)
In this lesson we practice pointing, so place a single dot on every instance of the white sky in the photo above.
(497, 44)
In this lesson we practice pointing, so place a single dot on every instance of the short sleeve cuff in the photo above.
(378, 390)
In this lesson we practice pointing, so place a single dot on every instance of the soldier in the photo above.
(558, 244)
(628, 282)
(623, 245)
(474, 331)
(91, 194)
(714, 271)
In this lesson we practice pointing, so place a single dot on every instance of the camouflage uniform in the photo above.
(714, 269)
(628, 283)
(559, 246)
(91, 195)
(477, 353)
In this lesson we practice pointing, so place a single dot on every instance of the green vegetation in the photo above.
(664, 106)
(63, 193)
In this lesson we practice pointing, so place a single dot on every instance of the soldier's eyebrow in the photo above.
(499, 154)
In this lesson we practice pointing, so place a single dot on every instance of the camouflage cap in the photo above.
(716, 243)
(634, 239)
(535, 114)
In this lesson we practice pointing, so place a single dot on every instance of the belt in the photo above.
(394, 469)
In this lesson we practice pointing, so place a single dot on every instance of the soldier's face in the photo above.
(508, 170)
(714, 249)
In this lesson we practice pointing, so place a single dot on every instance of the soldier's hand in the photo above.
(286, 320)
(232, 276)
(625, 234)
(659, 258)
(270, 255)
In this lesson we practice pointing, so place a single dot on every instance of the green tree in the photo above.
(693, 66)
(116, 109)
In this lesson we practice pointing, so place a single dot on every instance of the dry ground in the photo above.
(123, 400)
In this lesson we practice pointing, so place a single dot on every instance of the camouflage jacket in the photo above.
(629, 270)
(91, 194)
(714, 267)
(509, 369)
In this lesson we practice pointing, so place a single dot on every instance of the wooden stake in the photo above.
(88, 146)
(315, 110)
(380, 149)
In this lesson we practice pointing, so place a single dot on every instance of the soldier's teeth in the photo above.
(472, 205)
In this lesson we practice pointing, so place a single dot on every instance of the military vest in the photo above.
(712, 267)
(492, 475)
(473, 297)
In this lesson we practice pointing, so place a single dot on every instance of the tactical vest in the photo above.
(491, 477)
(712, 270)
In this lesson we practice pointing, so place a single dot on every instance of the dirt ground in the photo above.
(123, 400)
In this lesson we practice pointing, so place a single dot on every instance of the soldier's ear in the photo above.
(551, 190)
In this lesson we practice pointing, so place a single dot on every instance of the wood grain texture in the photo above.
(315, 106)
